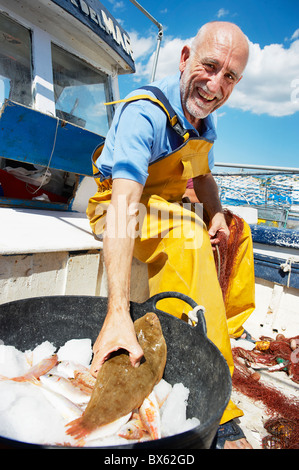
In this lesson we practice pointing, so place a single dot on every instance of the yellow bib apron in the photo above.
(178, 255)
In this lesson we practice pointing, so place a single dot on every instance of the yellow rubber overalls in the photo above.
(178, 255)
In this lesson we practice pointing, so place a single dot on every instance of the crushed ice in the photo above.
(31, 415)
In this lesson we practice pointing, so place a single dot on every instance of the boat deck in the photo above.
(255, 412)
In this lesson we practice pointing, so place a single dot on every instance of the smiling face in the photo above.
(211, 68)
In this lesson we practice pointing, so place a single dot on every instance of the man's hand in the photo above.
(117, 333)
(217, 229)
(206, 191)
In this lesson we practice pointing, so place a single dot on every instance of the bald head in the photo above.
(225, 33)
(211, 68)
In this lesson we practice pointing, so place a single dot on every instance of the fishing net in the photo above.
(226, 252)
(272, 355)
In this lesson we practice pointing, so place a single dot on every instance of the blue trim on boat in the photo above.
(269, 268)
(34, 204)
(30, 136)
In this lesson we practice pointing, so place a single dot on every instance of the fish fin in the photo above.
(2, 377)
(77, 429)
(35, 381)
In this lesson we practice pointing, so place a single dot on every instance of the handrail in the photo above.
(159, 39)
(258, 167)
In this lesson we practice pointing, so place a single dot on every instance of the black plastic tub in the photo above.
(192, 359)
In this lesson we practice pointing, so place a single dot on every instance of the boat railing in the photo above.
(273, 191)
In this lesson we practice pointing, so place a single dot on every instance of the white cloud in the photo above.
(295, 35)
(269, 79)
(144, 50)
(222, 12)
(117, 5)
(141, 46)
(169, 57)
(269, 85)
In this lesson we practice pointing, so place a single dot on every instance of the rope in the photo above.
(218, 264)
(192, 315)
(49, 162)
(287, 267)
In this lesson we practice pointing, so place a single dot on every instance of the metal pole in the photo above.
(160, 35)
(258, 167)
(159, 39)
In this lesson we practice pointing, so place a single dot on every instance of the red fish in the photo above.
(134, 429)
(36, 371)
(150, 416)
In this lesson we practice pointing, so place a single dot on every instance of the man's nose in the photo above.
(214, 83)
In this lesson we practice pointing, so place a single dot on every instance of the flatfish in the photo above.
(120, 387)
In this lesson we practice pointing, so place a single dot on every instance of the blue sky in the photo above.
(260, 122)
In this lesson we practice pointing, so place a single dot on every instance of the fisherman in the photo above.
(159, 139)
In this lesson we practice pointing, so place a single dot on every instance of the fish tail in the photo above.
(14, 379)
(27, 378)
(77, 429)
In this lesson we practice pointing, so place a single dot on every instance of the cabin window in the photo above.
(15, 62)
(80, 92)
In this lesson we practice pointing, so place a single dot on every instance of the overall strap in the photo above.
(161, 100)
(174, 120)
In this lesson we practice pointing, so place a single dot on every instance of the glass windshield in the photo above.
(15, 62)
(80, 92)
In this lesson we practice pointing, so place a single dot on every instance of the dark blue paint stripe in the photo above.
(268, 268)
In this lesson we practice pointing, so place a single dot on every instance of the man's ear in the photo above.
(185, 54)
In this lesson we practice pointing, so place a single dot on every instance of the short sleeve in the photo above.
(133, 141)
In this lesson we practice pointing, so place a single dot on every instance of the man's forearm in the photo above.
(118, 254)
(206, 190)
(117, 331)
(119, 239)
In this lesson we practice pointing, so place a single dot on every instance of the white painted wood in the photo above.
(82, 273)
(62, 273)
(27, 275)
(43, 89)
(276, 310)
(86, 189)
(249, 214)
(38, 231)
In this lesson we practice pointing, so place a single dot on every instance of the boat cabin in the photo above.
(59, 63)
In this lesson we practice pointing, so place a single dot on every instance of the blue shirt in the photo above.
(139, 134)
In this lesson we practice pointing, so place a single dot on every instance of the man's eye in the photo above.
(231, 77)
